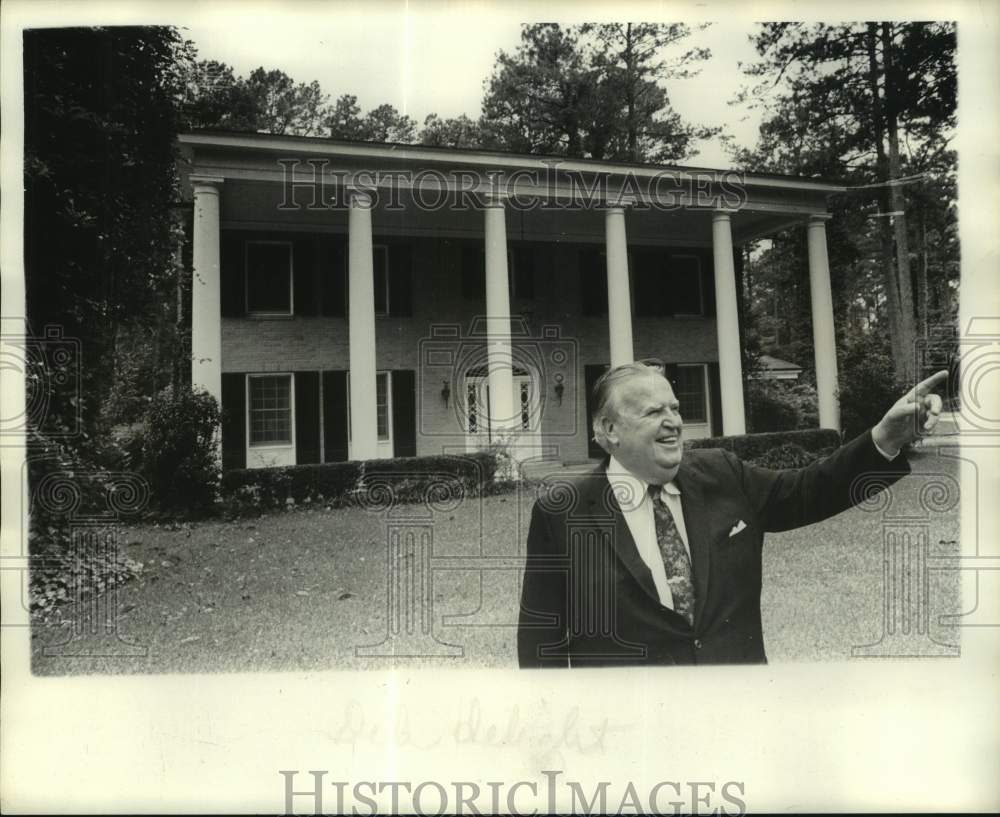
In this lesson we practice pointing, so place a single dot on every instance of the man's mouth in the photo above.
(671, 440)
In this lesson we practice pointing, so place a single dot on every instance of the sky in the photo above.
(434, 59)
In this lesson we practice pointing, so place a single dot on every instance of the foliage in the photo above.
(752, 447)
(174, 449)
(268, 101)
(364, 483)
(381, 124)
(789, 455)
(591, 90)
(100, 183)
(780, 405)
(458, 132)
(870, 386)
(871, 104)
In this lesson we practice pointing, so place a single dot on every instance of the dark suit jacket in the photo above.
(588, 599)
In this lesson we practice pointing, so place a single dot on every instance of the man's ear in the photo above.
(609, 428)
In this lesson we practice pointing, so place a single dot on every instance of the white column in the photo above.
(824, 343)
(619, 297)
(727, 326)
(206, 303)
(498, 347)
(361, 328)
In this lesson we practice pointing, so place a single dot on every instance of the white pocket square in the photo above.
(737, 528)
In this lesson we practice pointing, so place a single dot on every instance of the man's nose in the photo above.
(672, 419)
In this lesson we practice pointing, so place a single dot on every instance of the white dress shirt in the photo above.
(633, 497)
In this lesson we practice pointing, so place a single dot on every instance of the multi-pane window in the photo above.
(691, 392)
(382, 405)
(525, 405)
(473, 407)
(271, 410)
(269, 277)
(665, 283)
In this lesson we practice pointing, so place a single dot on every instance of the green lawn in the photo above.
(303, 589)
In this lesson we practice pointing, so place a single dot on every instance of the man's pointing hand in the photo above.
(912, 416)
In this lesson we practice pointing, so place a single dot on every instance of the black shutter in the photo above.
(670, 372)
(400, 280)
(232, 275)
(708, 283)
(234, 421)
(593, 282)
(524, 272)
(304, 283)
(473, 273)
(591, 372)
(306, 417)
(404, 413)
(333, 276)
(335, 416)
(715, 398)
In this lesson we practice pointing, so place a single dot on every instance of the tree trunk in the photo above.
(901, 350)
(907, 330)
(633, 135)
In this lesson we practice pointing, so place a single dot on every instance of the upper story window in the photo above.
(268, 266)
(685, 278)
(666, 284)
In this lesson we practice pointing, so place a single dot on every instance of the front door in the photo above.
(527, 422)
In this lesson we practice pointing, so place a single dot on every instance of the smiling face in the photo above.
(644, 428)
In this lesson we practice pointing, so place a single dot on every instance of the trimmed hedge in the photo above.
(369, 483)
(776, 449)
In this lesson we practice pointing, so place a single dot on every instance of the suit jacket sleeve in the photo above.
(792, 498)
(543, 616)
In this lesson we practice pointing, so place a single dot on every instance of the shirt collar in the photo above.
(629, 489)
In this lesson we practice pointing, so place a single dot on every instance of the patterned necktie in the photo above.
(675, 556)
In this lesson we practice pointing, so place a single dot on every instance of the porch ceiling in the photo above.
(251, 204)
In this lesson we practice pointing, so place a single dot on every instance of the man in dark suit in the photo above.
(654, 556)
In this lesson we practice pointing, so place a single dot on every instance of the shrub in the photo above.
(368, 483)
(174, 449)
(868, 384)
(788, 455)
(754, 447)
(778, 405)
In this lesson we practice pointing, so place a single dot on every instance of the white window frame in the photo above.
(249, 412)
(388, 406)
(701, 286)
(707, 402)
(291, 279)
(381, 249)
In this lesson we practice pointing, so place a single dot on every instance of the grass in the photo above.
(301, 590)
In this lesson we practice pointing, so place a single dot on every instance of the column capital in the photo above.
(495, 198)
(722, 215)
(619, 204)
(360, 197)
(206, 184)
(819, 218)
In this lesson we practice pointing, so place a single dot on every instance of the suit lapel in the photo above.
(696, 514)
(604, 503)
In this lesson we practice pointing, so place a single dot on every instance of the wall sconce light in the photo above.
(445, 392)
(559, 388)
